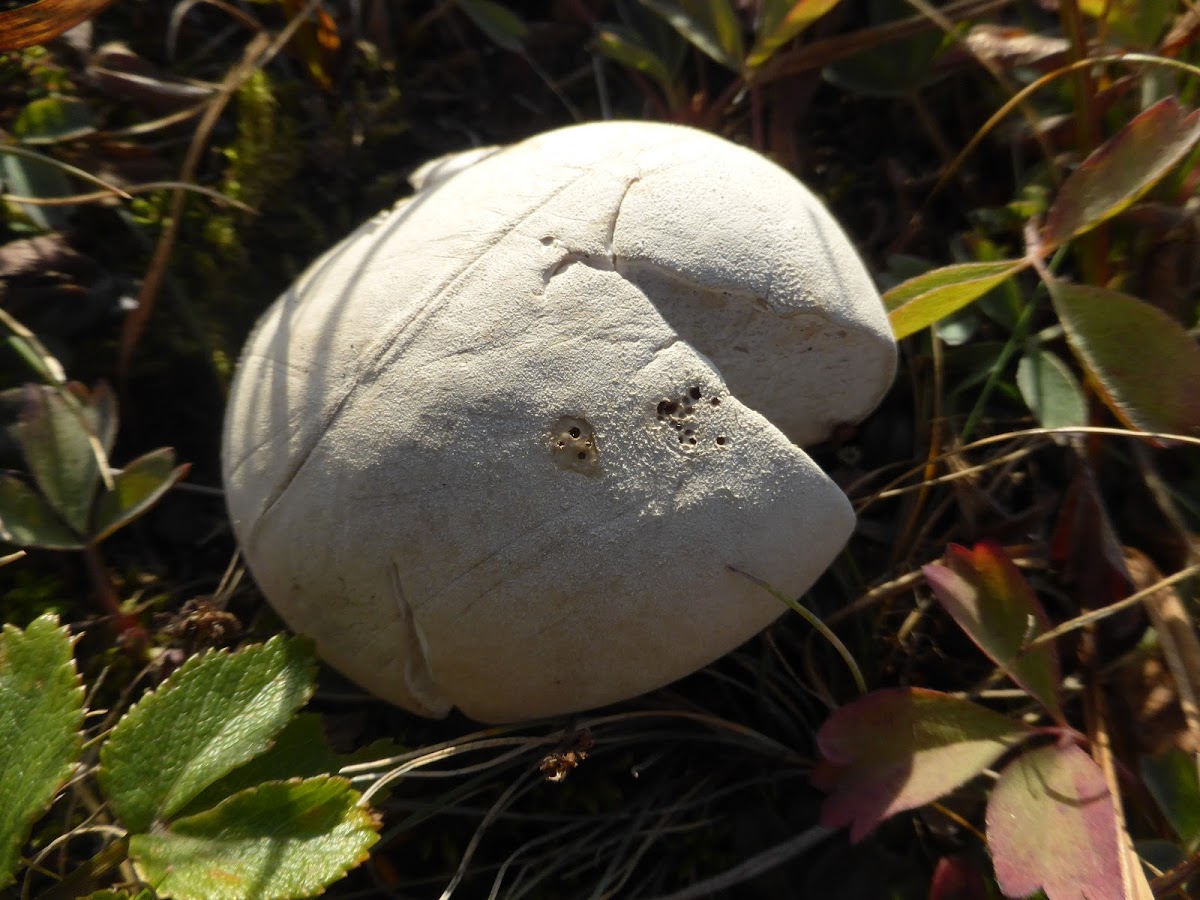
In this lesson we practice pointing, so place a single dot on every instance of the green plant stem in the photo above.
(811, 618)
(1015, 340)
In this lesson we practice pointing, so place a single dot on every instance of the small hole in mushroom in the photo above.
(695, 392)
(720, 440)
(574, 432)
(716, 401)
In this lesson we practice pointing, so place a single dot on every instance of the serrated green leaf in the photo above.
(498, 22)
(711, 26)
(56, 444)
(782, 21)
(300, 751)
(218, 711)
(1051, 825)
(992, 602)
(28, 521)
(1144, 363)
(52, 119)
(1121, 170)
(900, 748)
(279, 840)
(1051, 390)
(135, 489)
(919, 302)
(41, 719)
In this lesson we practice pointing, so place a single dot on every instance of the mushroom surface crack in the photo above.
(418, 674)
(408, 329)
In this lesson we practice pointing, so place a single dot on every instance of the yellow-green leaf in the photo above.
(782, 21)
(919, 302)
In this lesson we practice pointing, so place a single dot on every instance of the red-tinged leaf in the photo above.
(40, 22)
(780, 24)
(1145, 364)
(919, 302)
(897, 749)
(992, 602)
(1121, 170)
(1051, 825)
(957, 878)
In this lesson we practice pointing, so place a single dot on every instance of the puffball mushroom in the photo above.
(499, 447)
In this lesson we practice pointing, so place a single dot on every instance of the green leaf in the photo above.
(54, 438)
(135, 489)
(1121, 170)
(709, 25)
(279, 840)
(992, 602)
(41, 719)
(1051, 825)
(1144, 363)
(52, 119)
(100, 414)
(893, 69)
(498, 22)
(29, 175)
(300, 751)
(782, 21)
(919, 302)
(625, 47)
(215, 713)
(28, 521)
(1172, 780)
(1051, 390)
(901, 748)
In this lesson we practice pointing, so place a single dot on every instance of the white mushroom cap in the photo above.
(498, 448)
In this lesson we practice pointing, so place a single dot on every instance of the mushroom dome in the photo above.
(499, 448)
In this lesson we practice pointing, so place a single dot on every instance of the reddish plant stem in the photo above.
(130, 632)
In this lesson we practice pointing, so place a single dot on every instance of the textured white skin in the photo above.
(387, 453)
